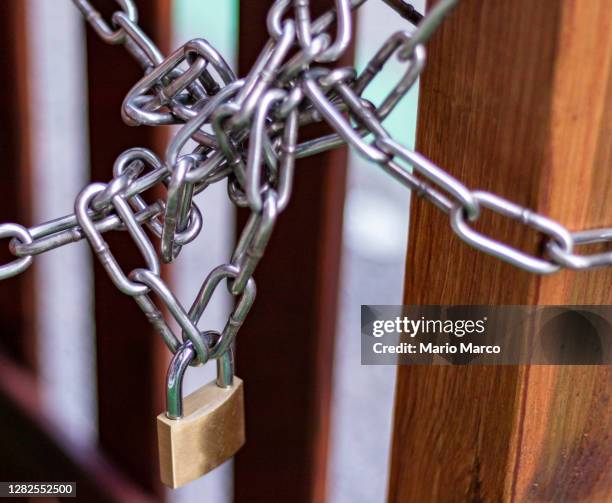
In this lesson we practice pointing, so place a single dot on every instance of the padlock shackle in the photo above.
(225, 369)
(174, 380)
(176, 371)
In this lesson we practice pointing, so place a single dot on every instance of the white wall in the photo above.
(64, 283)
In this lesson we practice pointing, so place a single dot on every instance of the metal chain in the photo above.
(254, 146)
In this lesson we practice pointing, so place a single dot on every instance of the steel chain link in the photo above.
(255, 123)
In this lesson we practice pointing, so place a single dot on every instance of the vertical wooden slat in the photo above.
(32, 446)
(516, 99)
(17, 296)
(285, 349)
(130, 356)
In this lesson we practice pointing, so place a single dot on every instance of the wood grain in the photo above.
(516, 99)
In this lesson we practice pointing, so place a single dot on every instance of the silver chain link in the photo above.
(255, 123)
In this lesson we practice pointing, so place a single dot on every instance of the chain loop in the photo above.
(151, 280)
(501, 250)
(434, 174)
(246, 132)
(583, 262)
(101, 248)
(20, 264)
(238, 315)
(100, 26)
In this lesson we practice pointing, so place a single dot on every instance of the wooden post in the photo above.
(33, 447)
(131, 359)
(285, 349)
(17, 296)
(516, 99)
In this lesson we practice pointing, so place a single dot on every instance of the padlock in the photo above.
(206, 428)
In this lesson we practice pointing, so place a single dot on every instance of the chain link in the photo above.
(253, 145)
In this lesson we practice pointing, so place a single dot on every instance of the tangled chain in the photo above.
(246, 131)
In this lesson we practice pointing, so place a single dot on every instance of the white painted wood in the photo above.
(64, 280)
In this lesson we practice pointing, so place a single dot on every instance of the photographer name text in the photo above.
(420, 327)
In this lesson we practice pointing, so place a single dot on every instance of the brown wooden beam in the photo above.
(17, 296)
(130, 356)
(516, 99)
(285, 349)
(32, 448)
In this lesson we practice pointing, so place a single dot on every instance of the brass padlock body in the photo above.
(210, 432)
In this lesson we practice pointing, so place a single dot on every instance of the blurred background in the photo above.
(82, 373)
